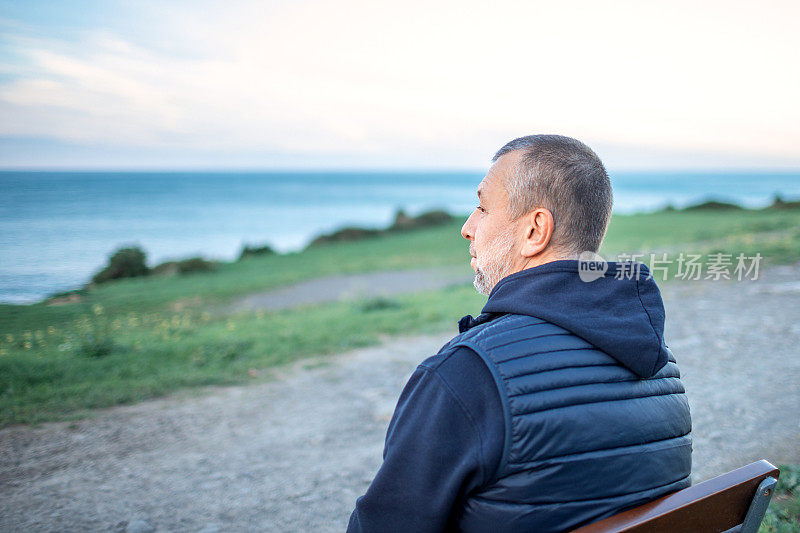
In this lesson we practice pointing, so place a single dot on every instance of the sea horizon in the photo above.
(58, 227)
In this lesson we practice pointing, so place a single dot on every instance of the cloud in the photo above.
(413, 81)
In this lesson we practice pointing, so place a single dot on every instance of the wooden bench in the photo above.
(732, 503)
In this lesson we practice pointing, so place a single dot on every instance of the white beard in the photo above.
(494, 264)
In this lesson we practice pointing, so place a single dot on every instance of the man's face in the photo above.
(492, 234)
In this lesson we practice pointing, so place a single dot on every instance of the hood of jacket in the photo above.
(620, 312)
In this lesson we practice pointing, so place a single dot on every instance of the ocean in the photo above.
(58, 228)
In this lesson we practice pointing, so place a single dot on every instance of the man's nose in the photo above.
(467, 230)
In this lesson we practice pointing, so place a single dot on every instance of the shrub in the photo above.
(779, 203)
(402, 222)
(184, 266)
(346, 234)
(713, 205)
(195, 264)
(423, 220)
(254, 251)
(123, 263)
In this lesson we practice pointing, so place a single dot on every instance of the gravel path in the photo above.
(293, 454)
(352, 287)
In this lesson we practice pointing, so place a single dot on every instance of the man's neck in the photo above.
(547, 256)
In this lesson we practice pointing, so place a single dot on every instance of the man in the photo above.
(560, 404)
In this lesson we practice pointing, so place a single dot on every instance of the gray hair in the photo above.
(566, 177)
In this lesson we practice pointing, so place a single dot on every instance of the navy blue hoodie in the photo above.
(446, 437)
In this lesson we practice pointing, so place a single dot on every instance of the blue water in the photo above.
(57, 228)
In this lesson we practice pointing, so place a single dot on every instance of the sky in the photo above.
(320, 84)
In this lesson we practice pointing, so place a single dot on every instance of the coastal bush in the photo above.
(779, 203)
(184, 266)
(346, 234)
(713, 205)
(123, 263)
(424, 220)
(402, 222)
(195, 264)
(254, 251)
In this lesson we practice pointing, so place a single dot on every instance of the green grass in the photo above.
(154, 354)
(704, 230)
(783, 515)
(144, 337)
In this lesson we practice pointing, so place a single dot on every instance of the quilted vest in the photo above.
(585, 438)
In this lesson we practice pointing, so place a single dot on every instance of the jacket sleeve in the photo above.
(432, 458)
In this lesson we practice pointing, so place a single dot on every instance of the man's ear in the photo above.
(538, 227)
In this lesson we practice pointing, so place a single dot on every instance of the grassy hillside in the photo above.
(143, 337)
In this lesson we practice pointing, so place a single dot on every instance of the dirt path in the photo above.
(353, 286)
(293, 454)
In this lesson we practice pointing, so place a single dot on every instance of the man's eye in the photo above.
(481, 209)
